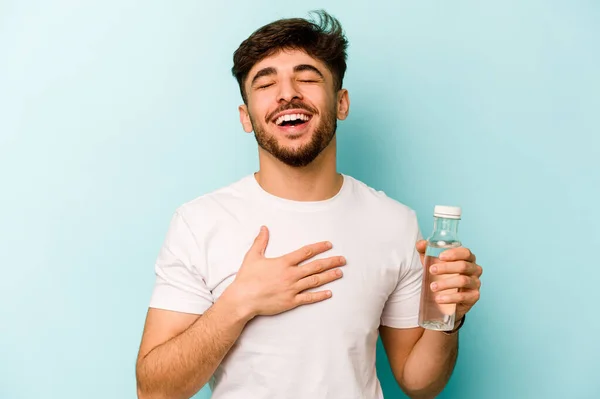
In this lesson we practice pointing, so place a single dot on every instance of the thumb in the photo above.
(259, 245)
(421, 247)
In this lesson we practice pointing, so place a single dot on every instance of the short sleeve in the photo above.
(401, 309)
(179, 286)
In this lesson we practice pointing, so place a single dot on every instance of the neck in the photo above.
(317, 181)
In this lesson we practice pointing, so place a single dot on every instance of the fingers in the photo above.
(307, 252)
(458, 267)
(316, 280)
(468, 298)
(320, 265)
(306, 298)
(460, 281)
(460, 253)
(259, 246)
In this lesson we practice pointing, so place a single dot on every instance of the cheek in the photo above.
(323, 100)
(259, 108)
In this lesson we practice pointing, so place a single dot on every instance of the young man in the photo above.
(278, 285)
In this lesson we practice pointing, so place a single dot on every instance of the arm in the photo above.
(422, 361)
(180, 351)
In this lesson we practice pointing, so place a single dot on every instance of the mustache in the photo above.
(291, 105)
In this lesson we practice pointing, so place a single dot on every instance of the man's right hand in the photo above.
(268, 286)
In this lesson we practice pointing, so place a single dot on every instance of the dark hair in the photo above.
(323, 40)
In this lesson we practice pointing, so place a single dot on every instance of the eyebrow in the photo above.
(298, 68)
(307, 67)
(264, 72)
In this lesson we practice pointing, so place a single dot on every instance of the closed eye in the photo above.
(308, 81)
(265, 86)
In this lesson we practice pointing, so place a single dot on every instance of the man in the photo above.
(278, 285)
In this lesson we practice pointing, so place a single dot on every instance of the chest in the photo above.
(370, 274)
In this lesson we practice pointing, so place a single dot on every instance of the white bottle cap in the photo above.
(450, 212)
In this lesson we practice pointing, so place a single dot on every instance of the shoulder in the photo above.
(212, 205)
(378, 204)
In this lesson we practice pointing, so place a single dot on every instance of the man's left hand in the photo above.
(463, 274)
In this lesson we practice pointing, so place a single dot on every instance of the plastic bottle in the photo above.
(433, 315)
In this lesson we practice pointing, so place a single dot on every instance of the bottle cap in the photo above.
(449, 212)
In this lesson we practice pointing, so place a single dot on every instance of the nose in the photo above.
(288, 91)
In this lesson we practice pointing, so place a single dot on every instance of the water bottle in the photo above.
(432, 315)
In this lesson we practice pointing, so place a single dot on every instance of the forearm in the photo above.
(181, 366)
(430, 364)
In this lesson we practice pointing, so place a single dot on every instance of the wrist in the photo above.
(236, 304)
(457, 326)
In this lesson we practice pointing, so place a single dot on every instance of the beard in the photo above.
(304, 155)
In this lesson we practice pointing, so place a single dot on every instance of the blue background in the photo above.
(115, 112)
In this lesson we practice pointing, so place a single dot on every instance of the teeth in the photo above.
(291, 117)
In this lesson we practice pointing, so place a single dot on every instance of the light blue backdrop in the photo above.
(113, 113)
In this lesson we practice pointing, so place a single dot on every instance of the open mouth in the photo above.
(293, 120)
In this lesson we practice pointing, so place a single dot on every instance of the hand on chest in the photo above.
(369, 276)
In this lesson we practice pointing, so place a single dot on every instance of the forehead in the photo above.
(285, 60)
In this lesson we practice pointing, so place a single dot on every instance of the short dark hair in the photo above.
(323, 39)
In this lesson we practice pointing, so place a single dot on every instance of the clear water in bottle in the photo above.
(433, 315)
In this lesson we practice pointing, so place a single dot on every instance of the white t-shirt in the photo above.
(317, 351)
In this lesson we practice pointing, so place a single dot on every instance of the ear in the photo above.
(343, 104)
(245, 118)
